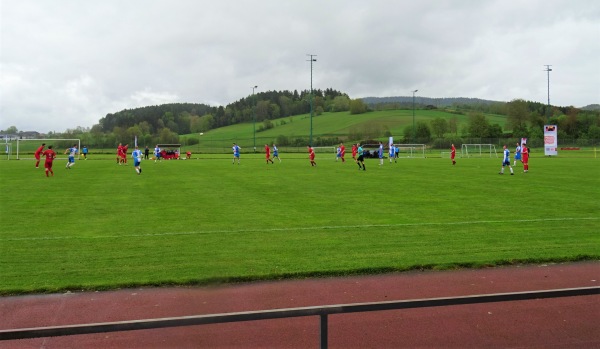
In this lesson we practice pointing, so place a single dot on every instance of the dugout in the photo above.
(170, 151)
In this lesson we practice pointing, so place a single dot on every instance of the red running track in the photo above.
(572, 322)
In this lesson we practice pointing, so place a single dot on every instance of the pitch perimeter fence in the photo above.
(321, 311)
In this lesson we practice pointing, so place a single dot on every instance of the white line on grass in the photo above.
(327, 227)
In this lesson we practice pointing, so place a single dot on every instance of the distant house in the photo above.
(29, 134)
(21, 135)
(9, 137)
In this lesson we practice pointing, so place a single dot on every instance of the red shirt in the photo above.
(49, 154)
(39, 151)
(311, 153)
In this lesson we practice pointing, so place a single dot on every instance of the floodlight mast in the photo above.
(311, 96)
(414, 130)
(254, 116)
(548, 70)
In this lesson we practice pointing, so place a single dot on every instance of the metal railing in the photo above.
(322, 311)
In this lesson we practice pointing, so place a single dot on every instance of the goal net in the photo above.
(326, 150)
(478, 151)
(26, 147)
(411, 150)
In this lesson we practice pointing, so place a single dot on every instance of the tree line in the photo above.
(164, 123)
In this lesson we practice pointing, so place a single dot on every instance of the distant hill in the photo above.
(595, 107)
(438, 102)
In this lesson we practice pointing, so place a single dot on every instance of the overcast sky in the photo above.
(68, 63)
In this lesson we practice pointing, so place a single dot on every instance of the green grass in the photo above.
(101, 226)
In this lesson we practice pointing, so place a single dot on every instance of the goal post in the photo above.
(7, 150)
(478, 151)
(26, 147)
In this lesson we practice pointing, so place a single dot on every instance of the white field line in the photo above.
(327, 227)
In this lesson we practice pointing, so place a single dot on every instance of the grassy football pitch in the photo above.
(101, 226)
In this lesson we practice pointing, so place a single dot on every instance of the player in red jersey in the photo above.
(119, 151)
(342, 152)
(311, 156)
(38, 153)
(453, 154)
(50, 156)
(268, 154)
(124, 154)
(354, 151)
(525, 156)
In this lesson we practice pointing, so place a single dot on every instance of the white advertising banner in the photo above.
(550, 140)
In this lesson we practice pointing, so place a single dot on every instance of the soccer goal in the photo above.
(326, 150)
(478, 151)
(26, 147)
(411, 150)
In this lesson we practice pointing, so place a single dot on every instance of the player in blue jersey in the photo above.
(276, 153)
(506, 161)
(392, 153)
(380, 153)
(71, 151)
(137, 160)
(236, 153)
(360, 160)
(157, 153)
(517, 154)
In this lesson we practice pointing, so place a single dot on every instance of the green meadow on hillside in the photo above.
(341, 125)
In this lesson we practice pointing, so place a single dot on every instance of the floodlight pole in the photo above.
(254, 116)
(311, 97)
(414, 130)
(548, 69)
